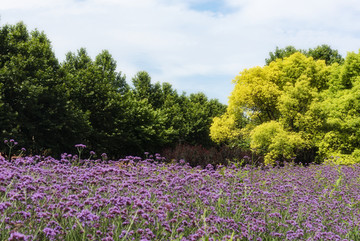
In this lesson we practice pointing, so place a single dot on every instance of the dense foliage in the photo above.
(42, 198)
(51, 106)
(322, 52)
(296, 106)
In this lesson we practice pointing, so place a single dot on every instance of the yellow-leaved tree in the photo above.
(274, 109)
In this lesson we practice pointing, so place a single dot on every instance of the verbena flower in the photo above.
(50, 233)
(80, 146)
(169, 199)
(16, 236)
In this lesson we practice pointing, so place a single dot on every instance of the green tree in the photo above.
(341, 106)
(107, 64)
(98, 90)
(186, 119)
(350, 70)
(281, 53)
(325, 52)
(35, 109)
(321, 52)
(199, 115)
(144, 89)
(51, 106)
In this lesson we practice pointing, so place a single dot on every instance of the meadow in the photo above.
(43, 198)
(302, 106)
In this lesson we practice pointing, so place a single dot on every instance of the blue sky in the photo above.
(196, 45)
(215, 6)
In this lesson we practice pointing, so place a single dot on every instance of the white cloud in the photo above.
(174, 42)
(24, 4)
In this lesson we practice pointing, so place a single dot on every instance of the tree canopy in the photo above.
(50, 106)
(322, 52)
(302, 104)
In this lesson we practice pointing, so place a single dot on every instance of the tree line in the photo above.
(301, 105)
(50, 106)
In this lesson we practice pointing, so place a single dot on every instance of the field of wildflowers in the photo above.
(42, 198)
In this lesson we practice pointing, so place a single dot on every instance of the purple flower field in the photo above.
(134, 199)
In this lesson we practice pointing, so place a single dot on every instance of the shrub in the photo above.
(200, 156)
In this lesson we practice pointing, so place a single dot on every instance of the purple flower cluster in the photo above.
(81, 146)
(136, 199)
(11, 142)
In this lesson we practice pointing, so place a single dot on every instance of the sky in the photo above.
(195, 45)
